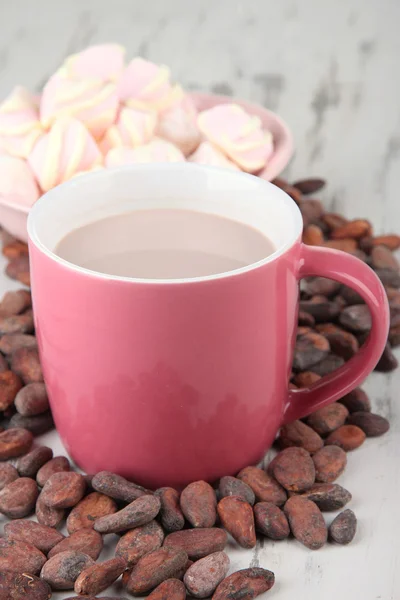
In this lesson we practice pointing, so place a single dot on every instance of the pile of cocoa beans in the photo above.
(170, 544)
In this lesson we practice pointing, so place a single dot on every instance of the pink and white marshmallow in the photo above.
(19, 123)
(17, 182)
(239, 135)
(65, 150)
(133, 128)
(155, 151)
(207, 154)
(104, 62)
(178, 125)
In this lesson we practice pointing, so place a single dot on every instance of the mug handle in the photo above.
(351, 271)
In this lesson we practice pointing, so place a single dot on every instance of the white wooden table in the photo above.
(331, 70)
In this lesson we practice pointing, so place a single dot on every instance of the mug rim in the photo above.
(40, 206)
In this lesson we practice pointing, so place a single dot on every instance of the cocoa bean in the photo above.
(154, 568)
(264, 486)
(356, 318)
(305, 319)
(171, 516)
(303, 330)
(14, 303)
(347, 437)
(388, 277)
(232, 486)
(294, 469)
(328, 418)
(391, 241)
(328, 496)
(14, 443)
(371, 424)
(99, 577)
(197, 542)
(8, 474)
(352, 229)
(86, 541)
(245, 584)
(3, 364)
(387, 362)
(306, 522)
(237, 518)
(18, 498)
(343, 344)
(42, 537)
(292, 191)
(32, 400)
(310, 349)
(20, 557)
(85, 513)
(29, 464)
(15, 586)
(15, 249)
(382, 258)
(309, 186)
(117, 487)
(10, 384)
(25, 362)
(203, 577)
(36, 425)
(63, 490)
(343, 528)
(198, 504)
(170, 589)
(328, 364)
(299, 434)
(321, 285)
(271, 521)
(52, 517)
(345, 245)
(311, 209)
(16, 324)
(356, 401)
(18, 266)
(333, 220)
(57, 464)
(322, 310)
(330, 462)
(9, 343)
(306, 378)
(313, 235)
(139, 541)
(394, 336)
(351, 296)
(139, 512)
(61, 571)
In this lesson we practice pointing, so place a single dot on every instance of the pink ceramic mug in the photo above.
(170, 381)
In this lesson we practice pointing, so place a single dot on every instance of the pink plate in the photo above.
(13, 215)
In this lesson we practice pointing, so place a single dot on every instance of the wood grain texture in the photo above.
(329, 69)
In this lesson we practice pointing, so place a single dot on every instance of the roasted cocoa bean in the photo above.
(328, 364)
(322, 310)
(313, 235)
(310, 349)
(294, 469)
(117, 487)
(389, 277)
(99, 577)
(309, 186)
(61, 571)
(264, 486)
(86, 541)
(16, 324)
(18, 266)
(291, 190)
(347, 437)
(328, 418)
(381, 258)
(306, 378)
(90, 508)
(140, 541)
(391, 241)
(356, 318)
(232, 486)
(343, 344)
(356, 401)
(29, 464)
(299, 434)
(9, 343)
(371, 424)
(25, 362)
(57, 464)
(63, 490)
(329, 462)
(352, 229)
(311, 210)
(36, 425)
(245, 584)
(203, 577)
(18, 498)
(333, 220)
(394, 336)
(32, 400)
(139, 512)
(237, 518)
(10, 384)
(3, 364)
(351, 296)
(306, 522)
(8, 474)
(346, 245)
(15, 249)
(199, 504)
(197, 542)
(170, 589)
(271, 521)
(328, 496)
(305, 319)
(20, 557)
(343, 528)
(14, 443)
(15, 586)
(154, 568)
(321, 285)
(171, 516)
(387, 362)
(14, 303)
(52, 517)
(42, 537)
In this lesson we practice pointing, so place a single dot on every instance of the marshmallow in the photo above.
(104, 62)
(178, 125)
(133, 128)
(155, 151)
(91, 101)
(17, 182)
(145, 85)
(238, 135)
(207, 154)
(19, 123)
(65, 150)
